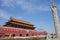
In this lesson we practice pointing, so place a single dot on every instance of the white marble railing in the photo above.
(23, 37)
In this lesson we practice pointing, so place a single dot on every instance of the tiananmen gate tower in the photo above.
(15, 27)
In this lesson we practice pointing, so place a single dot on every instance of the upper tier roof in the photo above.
(17, 20)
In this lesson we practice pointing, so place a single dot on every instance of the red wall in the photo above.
(17, 32)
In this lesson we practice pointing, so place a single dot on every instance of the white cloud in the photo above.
(28, 6)
(25, 5)
(8, 3)
(4, 14)
(31, 8)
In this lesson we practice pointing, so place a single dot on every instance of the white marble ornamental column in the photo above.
(56, 20)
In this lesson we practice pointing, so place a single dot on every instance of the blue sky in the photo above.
(38, 12)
